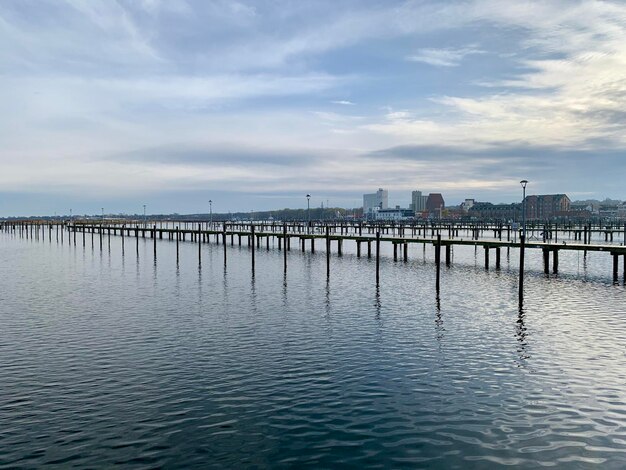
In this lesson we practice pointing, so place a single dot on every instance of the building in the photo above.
(418, 202)
(499, 212)
(375, 201)
(546, 206)
(435, 204)
(393, 214)
(467, 205)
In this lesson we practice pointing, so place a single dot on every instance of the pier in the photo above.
(551, 239)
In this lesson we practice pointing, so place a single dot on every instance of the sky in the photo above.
(171, 103)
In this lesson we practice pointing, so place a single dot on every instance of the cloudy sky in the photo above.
(253, 104)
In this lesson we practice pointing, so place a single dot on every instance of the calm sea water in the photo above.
(109, 359)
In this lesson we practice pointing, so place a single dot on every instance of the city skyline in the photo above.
(256, 104)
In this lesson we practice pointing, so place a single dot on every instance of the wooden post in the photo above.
(253, 247)
(406, 252)
(615, 263)
(224, 241)
(546, 261)
(285, 249)
(438, 262)
(327, 252)
(199, 240)
(497, 258)
(177, 242)
(358, 248)
(448, 249)
(154, 233)
(521, 268)
(395, 251)
(377, 259)
(486, 248)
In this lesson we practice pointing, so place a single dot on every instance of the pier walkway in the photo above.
(492, 238)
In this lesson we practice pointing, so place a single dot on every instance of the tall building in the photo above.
(377, 200)
(435, 203)
(418, 202)
(546, 206)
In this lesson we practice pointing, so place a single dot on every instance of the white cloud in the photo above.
(443, 57)
(573, 101)
(108, 77)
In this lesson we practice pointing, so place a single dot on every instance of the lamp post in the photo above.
(308, 212)
(522, 244)
(144, 216)
(211, 212)
(523, 183)
(102, 209)
(70, 214)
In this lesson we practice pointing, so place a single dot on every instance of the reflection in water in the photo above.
(253, 295)
(377, 302)
(521, 334)
(225, 287)
(439, 328)
(327, 298)
(199, 282)
(284, 291)
(273, 383)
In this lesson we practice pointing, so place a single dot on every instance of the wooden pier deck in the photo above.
(443, 237)
(365, 236)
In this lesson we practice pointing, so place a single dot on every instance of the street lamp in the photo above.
(308, 211)
(211, 212)
(144, 216)
(522, 243)
(70, 214)
(102, 208)
(524, 183)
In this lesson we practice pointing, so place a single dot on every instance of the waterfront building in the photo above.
(418, 202)
(500, 212)
(467, 205)
(435, 204)
(379, 199)
(546, 206)
(374, 202)
(393, 214)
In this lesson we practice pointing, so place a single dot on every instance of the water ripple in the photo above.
(109, 360)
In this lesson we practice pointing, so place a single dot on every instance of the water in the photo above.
(121, 360)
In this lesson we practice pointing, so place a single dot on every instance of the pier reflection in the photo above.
(377, 303)
(521, 333)
(439, 327)
(327, 307)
